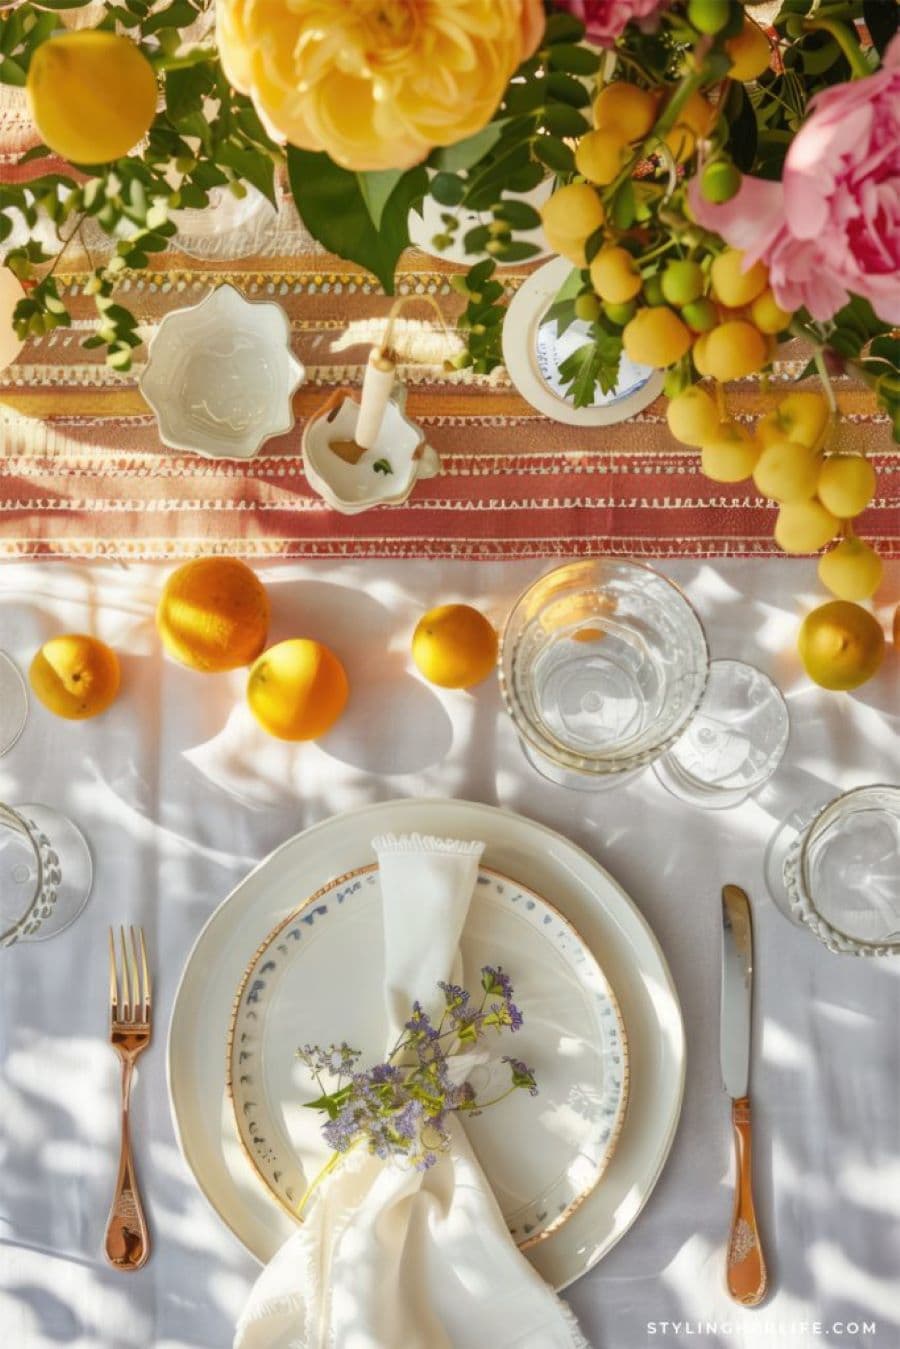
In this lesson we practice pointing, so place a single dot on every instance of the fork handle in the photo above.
(746, 1269)
(127, 1241)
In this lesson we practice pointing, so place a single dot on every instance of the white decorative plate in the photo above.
(319, 978)
(610, 925)
(533, 352)
(220, 375)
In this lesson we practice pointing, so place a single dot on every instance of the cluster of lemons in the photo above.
(819, 495)
(709, 316)
(213, 616)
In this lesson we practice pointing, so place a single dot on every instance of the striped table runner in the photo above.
(83, 473)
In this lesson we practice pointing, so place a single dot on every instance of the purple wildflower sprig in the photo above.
(399, 1109)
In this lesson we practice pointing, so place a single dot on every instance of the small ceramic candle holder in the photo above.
(351, 480)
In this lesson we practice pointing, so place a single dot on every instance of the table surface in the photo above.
(180, 795)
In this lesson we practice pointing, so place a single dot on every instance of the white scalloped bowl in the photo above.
(220, 376)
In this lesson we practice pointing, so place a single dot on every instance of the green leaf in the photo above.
(555, 154)
(624, 206)
(11, 72)
(597, 362)
(447, 189)
(185, 91)
(742, 135)
(519, 215)
(331, 205)
(574, 60)
(375, 188)
(514, 250)
(562, 28)
(567, 89)
(255, 166)
(563, 120)
(467, 153)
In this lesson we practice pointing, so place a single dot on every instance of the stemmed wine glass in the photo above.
(13, 703)
(45, 873)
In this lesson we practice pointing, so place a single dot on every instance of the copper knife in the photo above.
(745, 1266)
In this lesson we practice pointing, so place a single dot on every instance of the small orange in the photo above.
(297, 689)
(213, 614)
(75, 676)
(454, 646)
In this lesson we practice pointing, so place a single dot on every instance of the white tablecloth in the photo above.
(180, 795)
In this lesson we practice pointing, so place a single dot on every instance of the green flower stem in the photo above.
(846, 40)
(332, 1164)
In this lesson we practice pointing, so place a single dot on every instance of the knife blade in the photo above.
(737, 991)
(745, 1269)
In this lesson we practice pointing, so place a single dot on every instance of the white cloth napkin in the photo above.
(390, 1258)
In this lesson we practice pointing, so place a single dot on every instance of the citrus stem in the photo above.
(846, 40)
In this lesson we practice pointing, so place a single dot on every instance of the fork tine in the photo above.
(148, 993)
(138, 1009)
(113, 978)
(126, 986)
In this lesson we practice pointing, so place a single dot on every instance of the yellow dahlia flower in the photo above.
(375, 83)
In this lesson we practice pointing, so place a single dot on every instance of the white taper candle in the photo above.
(376, 390)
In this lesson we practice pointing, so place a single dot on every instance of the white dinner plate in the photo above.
(536, 857)
(542, 1157)
(532, 352)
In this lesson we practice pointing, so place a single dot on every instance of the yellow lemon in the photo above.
(768, 315)
(700, 355)
(454, 646)
(841, 645)
(734, 350)
(573, 249)
(297, 689)
(734, 286)
(730, 455)
(92, 95)
(846, 484)
(681, 141)
(625, 106)
(851, 570)
(749, 51)
(693, 416)
(656, 336)
(600, 155)
(614, 275)
(75, 676)
(573, 212)
(804, 526)
(787, 471)
(213, 614)
(698, 114)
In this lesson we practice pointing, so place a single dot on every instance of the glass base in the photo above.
(579, 782)
(735, 742)
(13, 703)
(73, 869)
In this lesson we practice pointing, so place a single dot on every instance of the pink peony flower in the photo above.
(605, 20)
(831, 227)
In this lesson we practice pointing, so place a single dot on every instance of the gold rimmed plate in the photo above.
(318, 977)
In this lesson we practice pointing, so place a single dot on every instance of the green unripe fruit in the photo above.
(720, 181)
(587, 307)
(682, 282)
(620, 314)
(653, 291)
(709, 16)
(700, 315)
(674, 382)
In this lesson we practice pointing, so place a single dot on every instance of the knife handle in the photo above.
(746, 1269)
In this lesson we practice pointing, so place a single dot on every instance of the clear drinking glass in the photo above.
(45, 873)
(842, 874)
(602, 665)
(13, 703)
(735, 742)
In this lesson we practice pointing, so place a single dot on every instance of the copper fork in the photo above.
(127, 1241)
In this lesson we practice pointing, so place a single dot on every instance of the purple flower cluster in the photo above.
(400, 1108)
